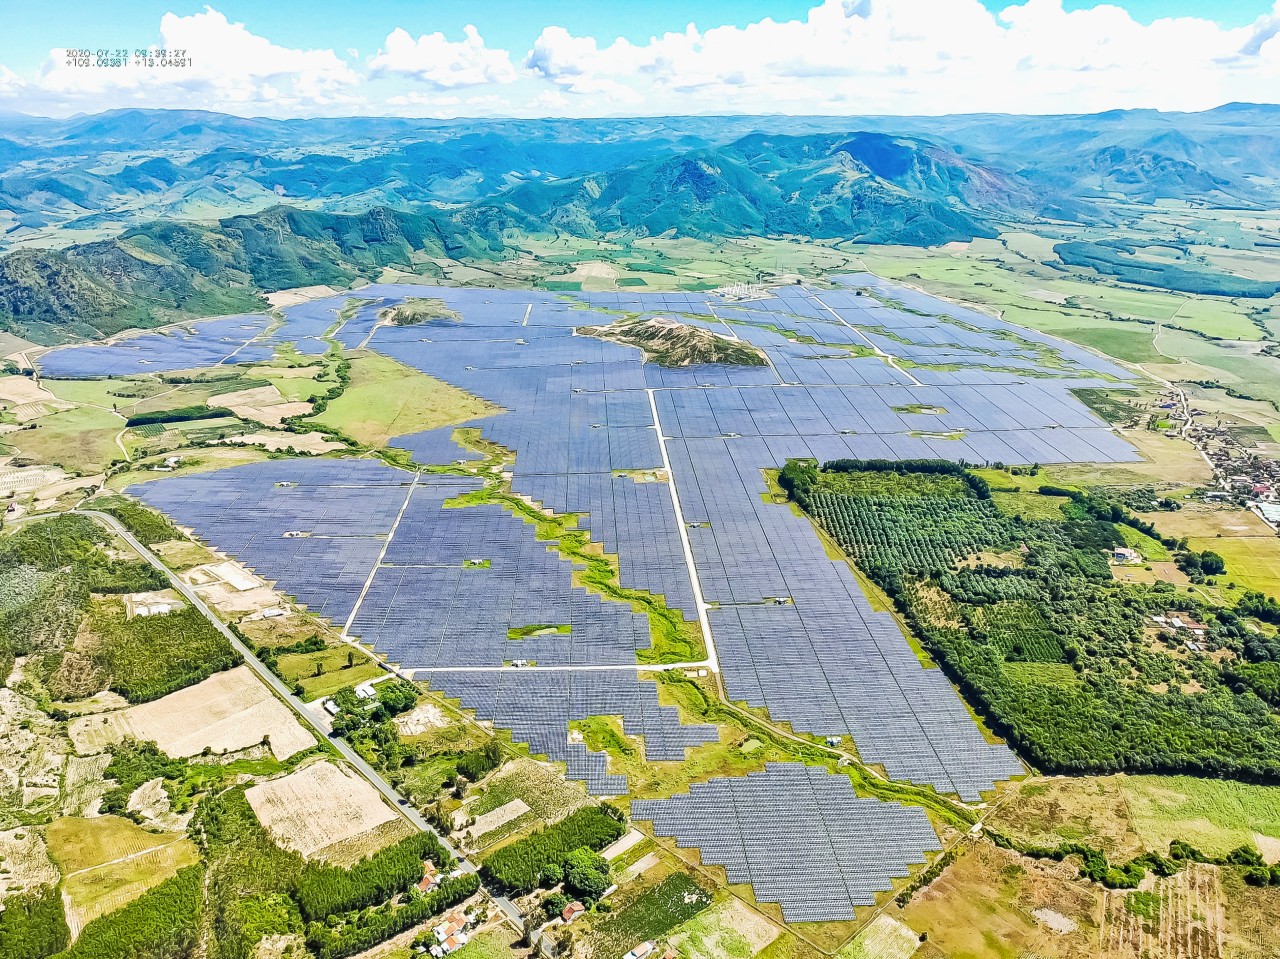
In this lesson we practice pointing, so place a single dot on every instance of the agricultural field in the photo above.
(320, 809)
(727, 930)
(647, 910)
(225, 713)
(108, 861)
(521, 794)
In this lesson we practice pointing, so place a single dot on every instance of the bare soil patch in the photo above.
(299, 294)
(318, 806)
(421, 718)
(25, 858)
(313, 443)
(228, 712)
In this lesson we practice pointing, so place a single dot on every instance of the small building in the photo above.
(430, 877)
(330, 707)
(1124, 554)
(641, 951)
(833, 741)
(454, 924)
(572, 911)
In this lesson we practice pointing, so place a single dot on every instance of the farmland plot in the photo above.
(1183, 916)
(320, 807)
(227, 712)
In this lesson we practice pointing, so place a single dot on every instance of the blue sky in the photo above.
(806, 56)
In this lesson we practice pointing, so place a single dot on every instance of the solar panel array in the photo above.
(799, 835)
(202, 343)
(454, 581)
(538, 705)
(343, 508)
(794, 632)
(434, 447)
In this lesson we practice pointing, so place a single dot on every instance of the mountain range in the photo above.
(186, 212)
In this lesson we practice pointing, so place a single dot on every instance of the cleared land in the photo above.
(25, 861)
(386, 399)
(227, 712)
(1126, 815)
(318, 807)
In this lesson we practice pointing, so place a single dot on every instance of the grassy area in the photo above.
(386, 398)
(728, 930)
(981, 908)
(1126, 815)
(76, 844)
(1151, 549)
(325, 672)
(490, 944)
(646, 913)
(542, 788)
(96, 892)
(883, 938)
(1213, 815)
(81, 440)
(1030, 506)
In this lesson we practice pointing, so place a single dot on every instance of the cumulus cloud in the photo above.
(930, 56)
(842, 57)
(227, 68)
(435, 60)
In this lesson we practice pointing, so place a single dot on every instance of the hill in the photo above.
(670, 343)
(166, 271)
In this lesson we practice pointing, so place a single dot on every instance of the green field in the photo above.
(386, 399)
(325, 672)
(82, 440)
(1214, 815)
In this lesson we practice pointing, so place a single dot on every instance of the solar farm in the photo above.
(799, 835)
(664, 469)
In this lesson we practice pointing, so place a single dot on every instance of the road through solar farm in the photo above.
(615, 517)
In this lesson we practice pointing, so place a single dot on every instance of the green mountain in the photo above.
(869, 187)
(166, 271)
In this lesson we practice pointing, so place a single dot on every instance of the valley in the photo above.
(448, 554)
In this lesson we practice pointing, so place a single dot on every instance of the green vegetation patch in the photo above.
(417, 310)
(150, 656)
(656, 911)
(919, 530)
(673, 344)
(32, 924)
(163, 923)
(536, 860)
(147, 525)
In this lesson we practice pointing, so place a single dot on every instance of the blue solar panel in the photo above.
(794, 632)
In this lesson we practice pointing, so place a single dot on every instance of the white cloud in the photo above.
(842, 57)
(229, 68)
(435, 60)
(928, 56)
